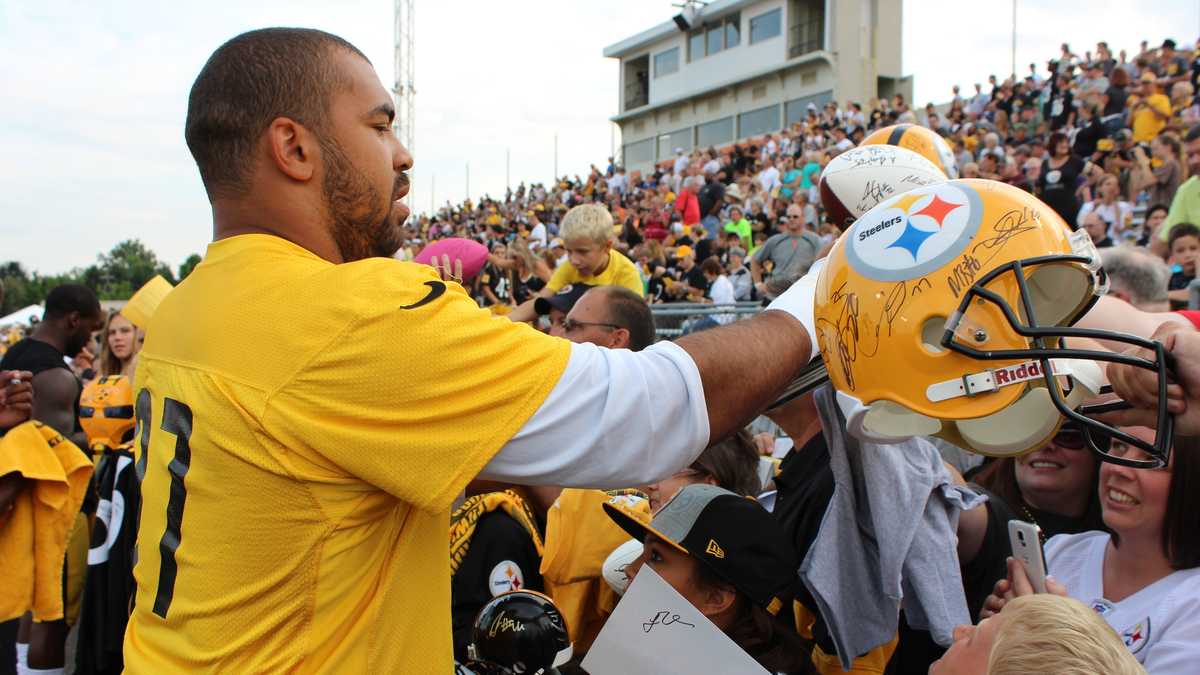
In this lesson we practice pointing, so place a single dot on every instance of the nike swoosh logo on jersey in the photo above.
(436, 289)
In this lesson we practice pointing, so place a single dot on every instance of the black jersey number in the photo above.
(177, 421)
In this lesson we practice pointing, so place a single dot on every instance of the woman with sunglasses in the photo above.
(1144, 577)
(1053, 487)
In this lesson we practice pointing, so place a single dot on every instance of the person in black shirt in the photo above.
(1060, 108)
(1059, 180)
(711, 198)
(72, 315)
(1091, 130)
(1115, 98)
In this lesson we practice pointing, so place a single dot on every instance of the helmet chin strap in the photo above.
(1023, 426)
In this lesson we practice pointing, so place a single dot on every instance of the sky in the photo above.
(91, 130)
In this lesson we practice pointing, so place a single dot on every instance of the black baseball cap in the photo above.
(733, 536)
(563, 300)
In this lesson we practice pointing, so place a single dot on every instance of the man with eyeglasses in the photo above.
(610, 316)
(790, 252)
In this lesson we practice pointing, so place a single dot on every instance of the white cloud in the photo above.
(96, 93)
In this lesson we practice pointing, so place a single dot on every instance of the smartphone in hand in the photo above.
(1026, 541)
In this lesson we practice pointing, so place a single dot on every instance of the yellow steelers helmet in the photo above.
(919, 139)
(943, 312)
(106, 412)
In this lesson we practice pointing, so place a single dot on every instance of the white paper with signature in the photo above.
(656, 630)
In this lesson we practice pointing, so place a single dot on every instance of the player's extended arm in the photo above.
(616, 418)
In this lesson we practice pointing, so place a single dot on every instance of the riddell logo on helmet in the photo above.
(1021, 373)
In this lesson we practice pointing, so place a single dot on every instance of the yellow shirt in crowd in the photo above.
(303, 430)
(620, 271)
(1146, 124)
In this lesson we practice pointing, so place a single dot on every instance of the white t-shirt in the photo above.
(618, 183)
(1117, 215)
(681, 163)
(721, 293)
(1160, 624)
(537, 236)
(768, 178)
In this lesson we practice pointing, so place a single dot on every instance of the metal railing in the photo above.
(806, 37)
(673, 319)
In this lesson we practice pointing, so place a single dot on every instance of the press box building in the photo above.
(735, 69)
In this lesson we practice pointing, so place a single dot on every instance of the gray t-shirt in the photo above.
(791, 254)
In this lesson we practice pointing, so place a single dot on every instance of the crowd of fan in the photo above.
(1098, 137)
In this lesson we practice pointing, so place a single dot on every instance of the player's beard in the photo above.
(362, 221)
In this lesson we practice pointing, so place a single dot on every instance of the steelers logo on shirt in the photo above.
(505, 577)
(1137, 635)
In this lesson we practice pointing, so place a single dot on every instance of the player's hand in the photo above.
(447, 271)
(1139, 387)
(16, 397)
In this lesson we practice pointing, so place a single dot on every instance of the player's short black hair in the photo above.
(1181, 230)
(1192, 133)
(67, 298)
(249, 81)
(630, 311)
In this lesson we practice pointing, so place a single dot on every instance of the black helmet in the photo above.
(521, 632)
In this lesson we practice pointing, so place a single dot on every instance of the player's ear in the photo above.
(292, 148)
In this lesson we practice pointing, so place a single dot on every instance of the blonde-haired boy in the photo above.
(588, 233)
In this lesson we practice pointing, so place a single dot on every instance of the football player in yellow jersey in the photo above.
(297, 472)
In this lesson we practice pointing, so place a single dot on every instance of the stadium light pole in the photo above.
(507, 163)
(556, 157)
(1014, 43)
(403, 84)
(468, 188)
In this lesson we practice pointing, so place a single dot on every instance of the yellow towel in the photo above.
(33, 535)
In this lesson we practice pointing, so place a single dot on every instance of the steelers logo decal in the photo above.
(914, 233)
(505, 577)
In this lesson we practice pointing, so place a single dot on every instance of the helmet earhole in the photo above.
(931, 334)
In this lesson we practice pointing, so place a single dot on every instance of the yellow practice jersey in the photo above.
(620, 271)
(303, 429)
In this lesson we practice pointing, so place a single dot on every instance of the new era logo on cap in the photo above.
(714, 549)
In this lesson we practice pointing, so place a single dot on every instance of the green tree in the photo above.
(114, 276)
(123, 270)
(22, 289)
(188, 265)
